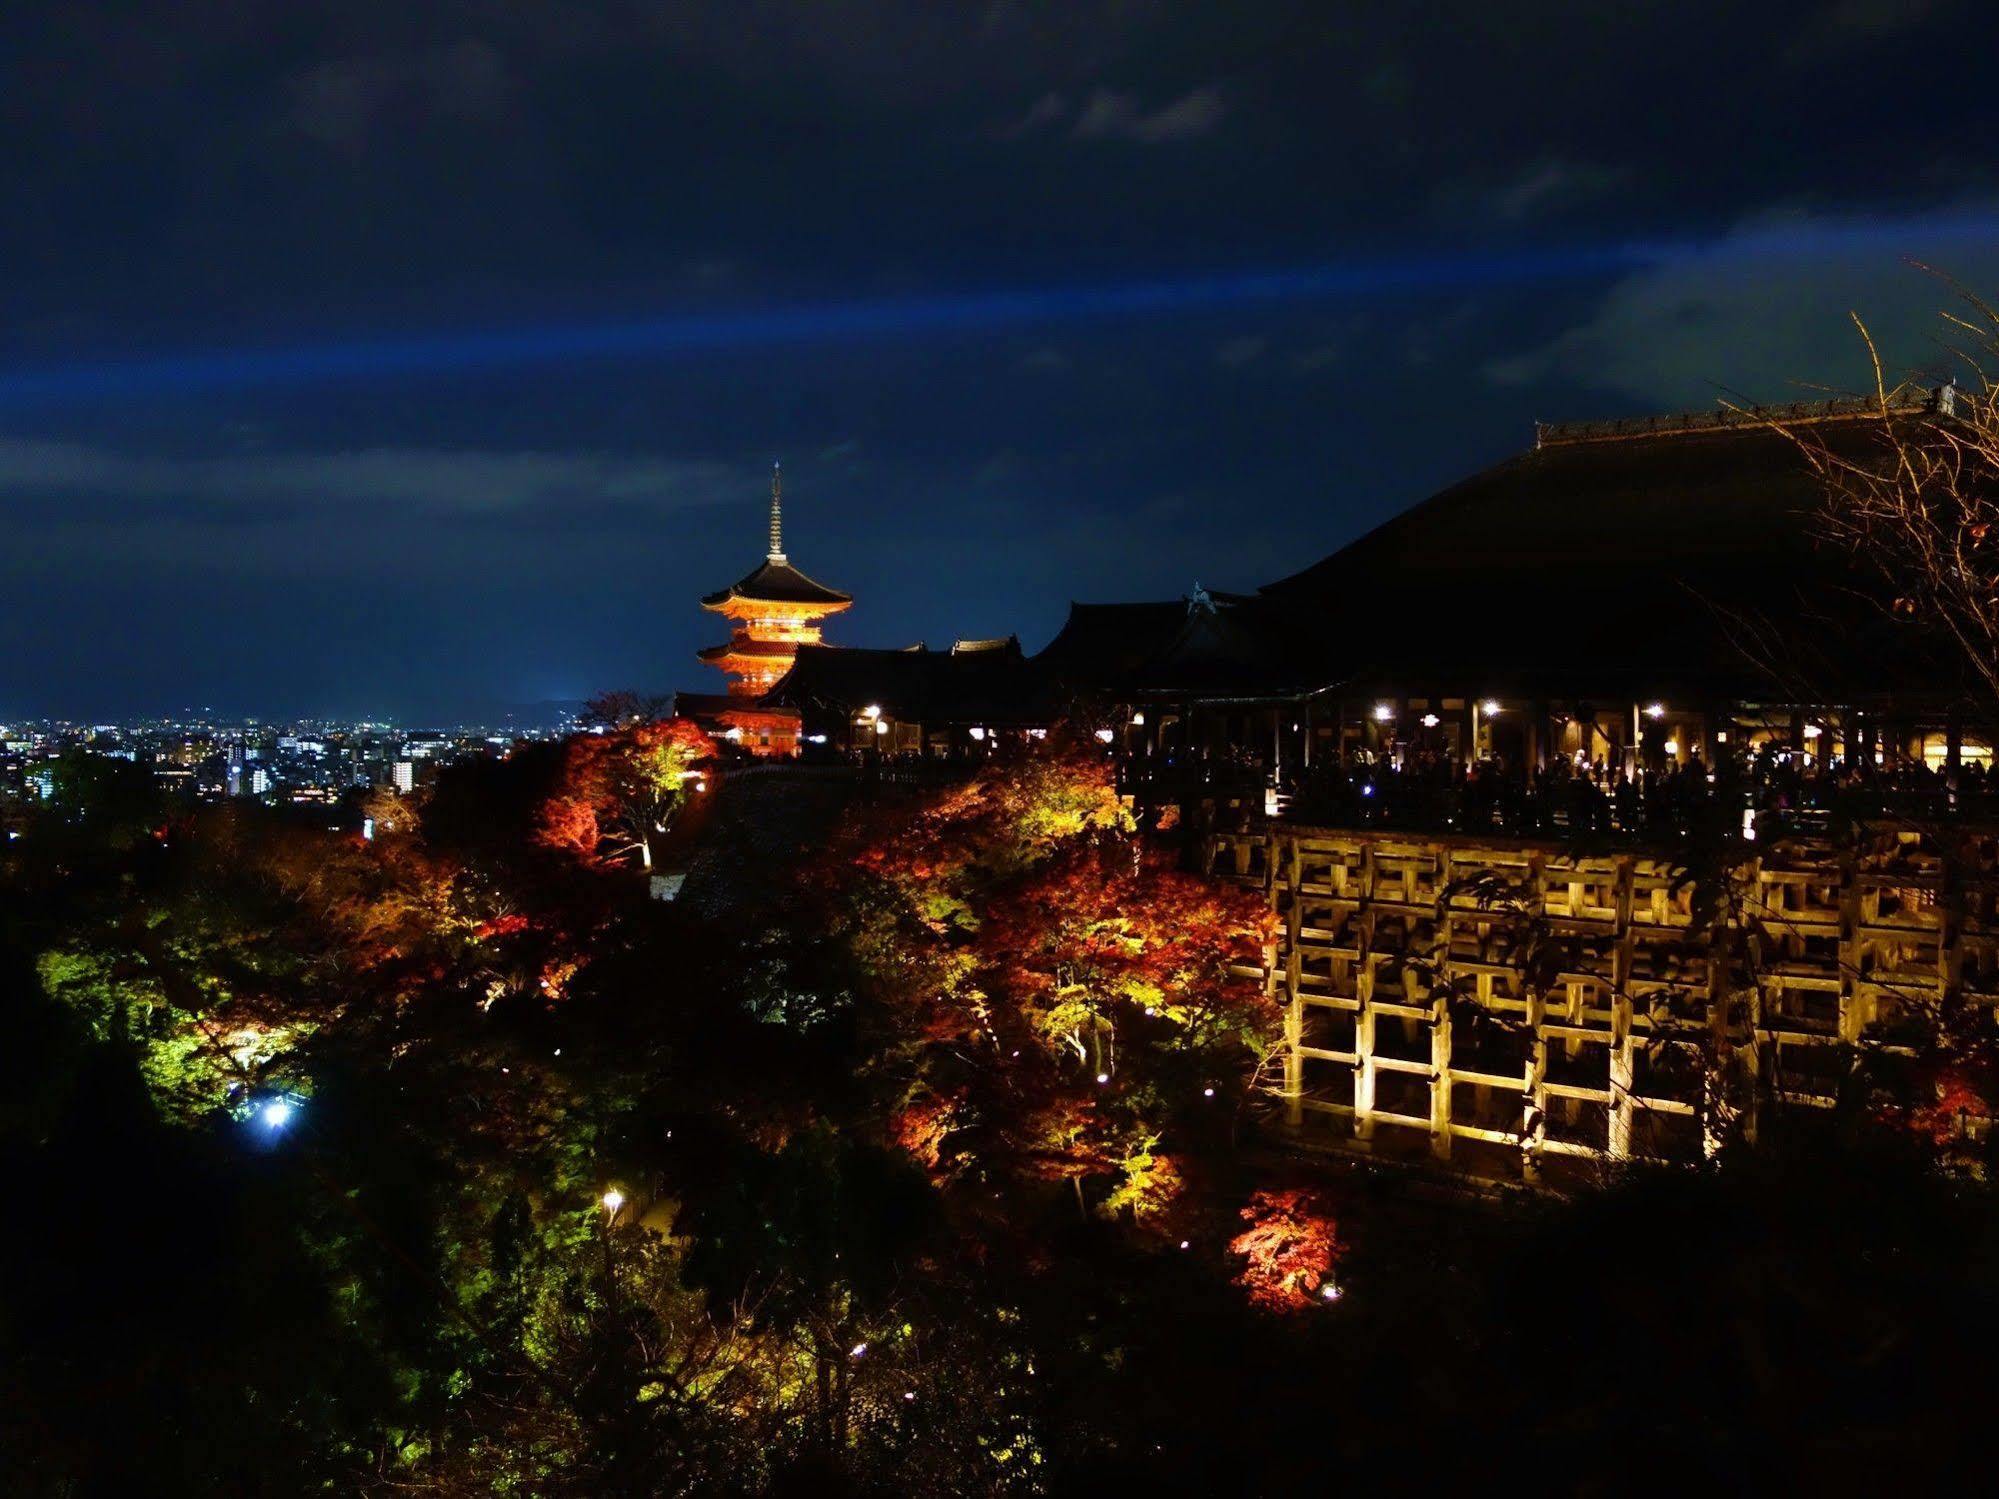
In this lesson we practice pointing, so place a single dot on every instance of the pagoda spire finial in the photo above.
(776, 512)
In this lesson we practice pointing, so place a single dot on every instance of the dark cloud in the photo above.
(1765, 313)
(356, 101)
(1109, 115)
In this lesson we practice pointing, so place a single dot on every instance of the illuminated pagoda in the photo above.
(775, 609)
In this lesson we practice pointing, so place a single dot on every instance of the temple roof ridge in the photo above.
(1907, 399)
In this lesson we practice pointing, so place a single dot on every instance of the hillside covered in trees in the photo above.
(446, 1162)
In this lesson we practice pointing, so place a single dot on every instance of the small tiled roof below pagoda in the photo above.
(934, 687)
(775, 650)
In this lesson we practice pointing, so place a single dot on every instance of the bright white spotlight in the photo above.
(277, 1114)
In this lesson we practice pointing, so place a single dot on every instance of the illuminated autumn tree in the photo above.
(391, 811)
(1108, 931)
(620, 791)
(1288, 1249)
(1079, 1000)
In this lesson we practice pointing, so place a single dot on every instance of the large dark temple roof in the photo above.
(1666, 558)
(994, 686)
(777, 583)
(1209, 645)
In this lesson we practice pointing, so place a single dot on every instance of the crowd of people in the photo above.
(1769, 790)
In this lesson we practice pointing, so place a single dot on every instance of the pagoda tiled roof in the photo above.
(777, 583)
(777, 649)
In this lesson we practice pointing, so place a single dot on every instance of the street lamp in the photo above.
(613, 1200)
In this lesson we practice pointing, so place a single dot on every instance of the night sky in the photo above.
(378, 358)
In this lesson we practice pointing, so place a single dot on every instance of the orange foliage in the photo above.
(921, 1127)
(1111, 923)
(1289, 1249)
(998, 822)
(500, 926)
(1964, 1091)
(618, 788)
(1057, 977)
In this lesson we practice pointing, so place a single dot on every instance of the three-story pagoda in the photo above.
(775, 609)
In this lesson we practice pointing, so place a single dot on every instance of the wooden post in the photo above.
(1621, 1060)
(1294, 1006)
(1364, 1075)
(1440, 1060)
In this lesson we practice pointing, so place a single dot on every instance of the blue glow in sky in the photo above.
(678, 335)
